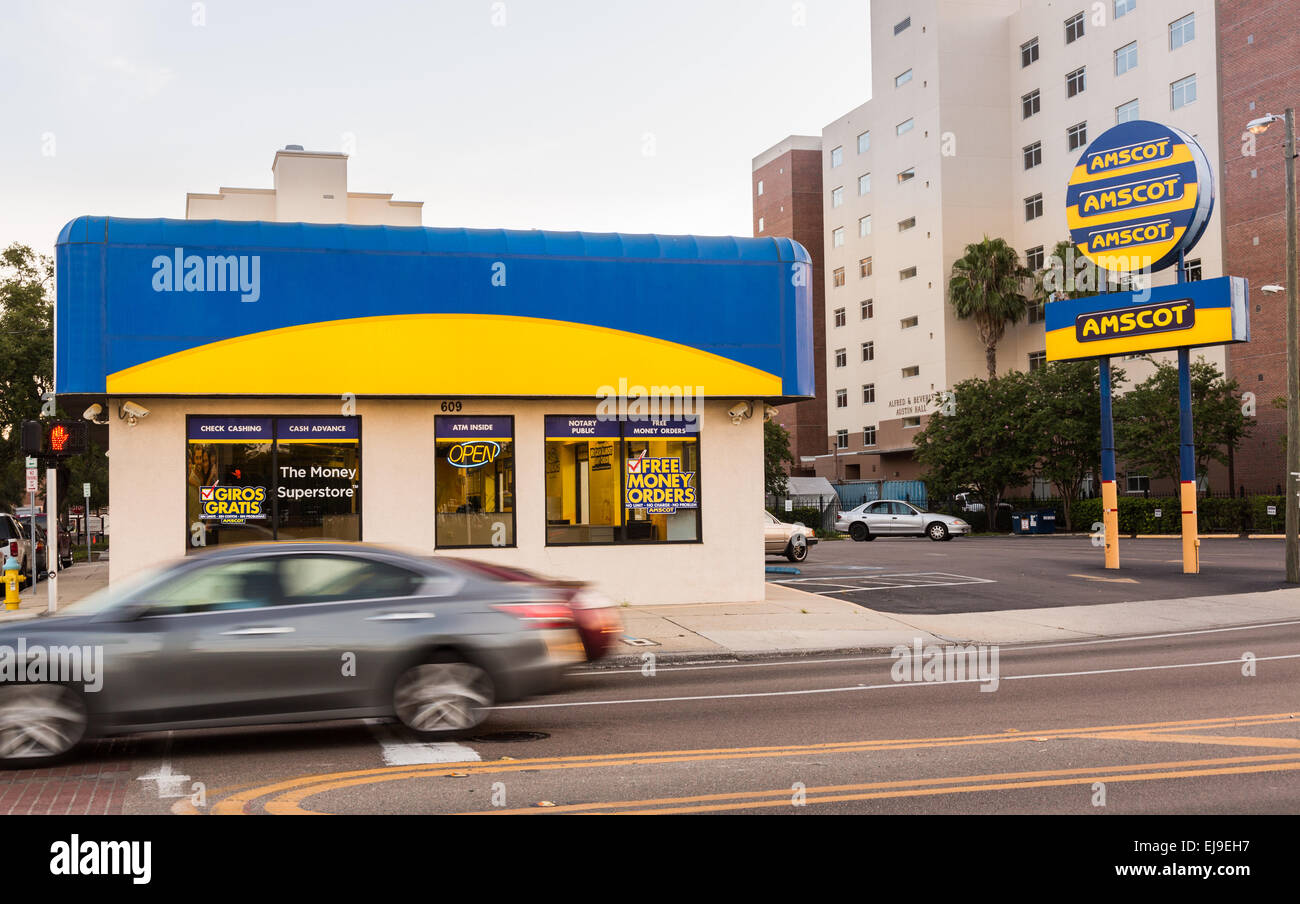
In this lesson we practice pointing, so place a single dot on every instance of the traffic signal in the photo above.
(33, 438)
(64, 438)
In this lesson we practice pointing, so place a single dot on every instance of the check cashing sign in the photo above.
(1138, 196)
(1184, 315)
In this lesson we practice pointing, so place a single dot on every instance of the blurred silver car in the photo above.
(894, 518)
(790, 540)
(285, 632)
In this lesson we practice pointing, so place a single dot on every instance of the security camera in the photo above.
(95, 414)
(770, 413)
(1272, 290)
(740, 411)
(131, 412)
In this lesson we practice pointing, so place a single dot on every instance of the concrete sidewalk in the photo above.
(794, 621)
(74, 583)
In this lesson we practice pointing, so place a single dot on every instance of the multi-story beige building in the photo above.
(980, 111)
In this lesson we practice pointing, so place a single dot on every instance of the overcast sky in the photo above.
(603, 115)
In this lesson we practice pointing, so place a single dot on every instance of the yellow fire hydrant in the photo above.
(12, 579)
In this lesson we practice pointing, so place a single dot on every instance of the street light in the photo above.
(1257, 127)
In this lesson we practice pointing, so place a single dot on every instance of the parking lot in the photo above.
(986, 574)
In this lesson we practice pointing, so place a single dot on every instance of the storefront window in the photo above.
(272, 478)
(625, 481)
(474, 481)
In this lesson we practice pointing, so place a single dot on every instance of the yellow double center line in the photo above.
(287, 797)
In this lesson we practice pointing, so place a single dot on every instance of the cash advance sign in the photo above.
(1140, 196)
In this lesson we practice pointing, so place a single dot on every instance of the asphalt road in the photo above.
(1161, 724)
(984, 574)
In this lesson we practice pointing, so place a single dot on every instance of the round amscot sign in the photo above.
(1140, 194)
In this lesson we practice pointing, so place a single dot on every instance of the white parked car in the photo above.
(790, 540)
(894, 518)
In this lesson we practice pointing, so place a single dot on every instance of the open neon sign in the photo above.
(474, 454)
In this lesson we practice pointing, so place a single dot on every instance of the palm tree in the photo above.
(988, 285)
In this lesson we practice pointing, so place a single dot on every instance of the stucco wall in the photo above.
(147, 495)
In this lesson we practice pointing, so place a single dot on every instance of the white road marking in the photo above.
(892, 685)
(707, 664)
(885, 581)
(169, 783)
(398, 751)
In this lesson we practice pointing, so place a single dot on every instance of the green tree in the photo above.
(776, 457)
(1146, 420)
(27, 364)
(988, 285)
(985, 444)
(1064, 421)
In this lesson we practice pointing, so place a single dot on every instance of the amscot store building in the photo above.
(584, 405)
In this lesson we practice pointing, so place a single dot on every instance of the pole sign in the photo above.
(1140, 195)
(1205, 312)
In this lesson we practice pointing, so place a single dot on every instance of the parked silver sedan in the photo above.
(894, 518)
(271, 633)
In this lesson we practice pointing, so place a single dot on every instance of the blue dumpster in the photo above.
(1040, 521)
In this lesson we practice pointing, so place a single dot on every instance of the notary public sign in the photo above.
(1206, 312)
(1141, 193)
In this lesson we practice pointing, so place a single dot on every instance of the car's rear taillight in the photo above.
(13, 548)
(540, 615)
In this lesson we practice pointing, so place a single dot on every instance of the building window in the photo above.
(841, 357)
(904, 126)
(1074, 28)
(1028, 52)
(911, 423)
(837, 156)
(272, 478)
(841, 439)
(1076, 82)
(864, 226)
(868, 351)
(837, 276)
(864, 142)
(1192, 270)
(1126, 112)
(912, 371)
(1182, 92)
(622, 481)
(474, 481)
(1037, 361)
(1033, 154)
(869, 436)
(1182, 31)
(1126, 58)
(909, 223)
(902, 78)
(1034, 258)
(908, 322)
(840, 319)
(868, 393)
(1033, 207)
(837, 237)
(1138, 484)
(1037, 311)
(903, 26)
(841, 398)
(760, 224)
(760, 188)
(1124, 7)
(864, 268)
(907, 273)
(837, 196)
(1076, 136)
(907, 175)
(868, 309)
(1030, 104)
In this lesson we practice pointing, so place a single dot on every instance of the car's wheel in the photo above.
(858, 531)
(442, 696)
(40, 723)
(937, 531)
(797, 550)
